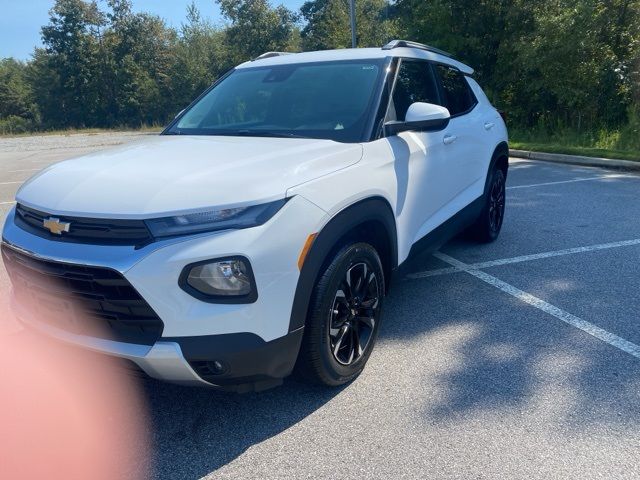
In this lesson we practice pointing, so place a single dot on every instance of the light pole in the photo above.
(352, 8)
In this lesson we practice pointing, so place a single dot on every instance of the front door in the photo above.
(427, 165)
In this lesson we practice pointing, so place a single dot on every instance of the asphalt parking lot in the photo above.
(518, 359)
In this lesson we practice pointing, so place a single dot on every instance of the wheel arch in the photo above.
(500, 158)
(371, 220)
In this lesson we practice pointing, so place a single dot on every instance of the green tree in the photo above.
(576, 66)
(18, 113)
(200, 57)
(328, 24)
(552, 63)
(138, 55)
(15, 91)
(67, 87)
(257, 27)
(479, 32)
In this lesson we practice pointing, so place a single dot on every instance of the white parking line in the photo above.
(527, 258)
(577, 322)
(601, 177)
(11, 183)
(7, 203)
(25, 170)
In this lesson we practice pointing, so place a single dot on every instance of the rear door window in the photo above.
(458, 97)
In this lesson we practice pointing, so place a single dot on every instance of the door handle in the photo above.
(449, 139)
(489, 125)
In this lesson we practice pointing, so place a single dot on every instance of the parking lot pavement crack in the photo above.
(568, 318)
(433, 273)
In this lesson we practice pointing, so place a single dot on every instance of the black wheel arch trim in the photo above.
(375, 209)
(501, 151)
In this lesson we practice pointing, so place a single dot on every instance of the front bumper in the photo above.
(232, 346)
(163, 360)
(247, 362)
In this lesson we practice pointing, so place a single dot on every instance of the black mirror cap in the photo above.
(395, 127)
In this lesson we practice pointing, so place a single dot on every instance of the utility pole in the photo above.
(352, 8)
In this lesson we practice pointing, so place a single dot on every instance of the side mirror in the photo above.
(422, 117)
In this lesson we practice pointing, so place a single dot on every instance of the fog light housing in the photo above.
(225, 280)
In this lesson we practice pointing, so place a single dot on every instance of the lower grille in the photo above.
(94, 301)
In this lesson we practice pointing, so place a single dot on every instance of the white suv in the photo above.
(260, 231)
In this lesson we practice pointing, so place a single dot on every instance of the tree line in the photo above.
(554, 65)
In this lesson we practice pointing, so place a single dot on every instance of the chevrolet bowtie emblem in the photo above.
(55, 226)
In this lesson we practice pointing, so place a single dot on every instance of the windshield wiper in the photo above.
(266, 133)
(242, 133)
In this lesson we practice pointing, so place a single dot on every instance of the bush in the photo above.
(13, 124)
(623, 138)
(630, 133)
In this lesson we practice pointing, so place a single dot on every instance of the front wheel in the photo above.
(489, 223)
(344, 317)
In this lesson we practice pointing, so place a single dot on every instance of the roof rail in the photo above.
(271, 54)
(408, 44)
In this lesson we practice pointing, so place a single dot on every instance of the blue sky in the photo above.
(21, 20)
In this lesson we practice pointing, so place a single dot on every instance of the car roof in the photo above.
(356, 54)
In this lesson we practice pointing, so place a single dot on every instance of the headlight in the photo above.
(226, 280)
(224, 219)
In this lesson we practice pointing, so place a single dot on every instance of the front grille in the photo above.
(97, 231)
(93, 301)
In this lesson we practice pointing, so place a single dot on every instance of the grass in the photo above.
(622, 143)
(576, 150)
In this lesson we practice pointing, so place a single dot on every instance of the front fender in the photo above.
(374, 209)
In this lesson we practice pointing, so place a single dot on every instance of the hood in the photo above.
(168, 174)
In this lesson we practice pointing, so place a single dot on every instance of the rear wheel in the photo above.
(344, 317)
(489, 223)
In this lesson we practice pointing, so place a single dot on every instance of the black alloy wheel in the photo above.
(497, 203)
(354, 313)
(344, 316)
(488, 225)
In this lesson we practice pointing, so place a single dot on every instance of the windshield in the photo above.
(328, 100)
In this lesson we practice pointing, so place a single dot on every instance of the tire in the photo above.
(487, 227)
(344, 313)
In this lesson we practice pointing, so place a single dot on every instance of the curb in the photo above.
(576, 160)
